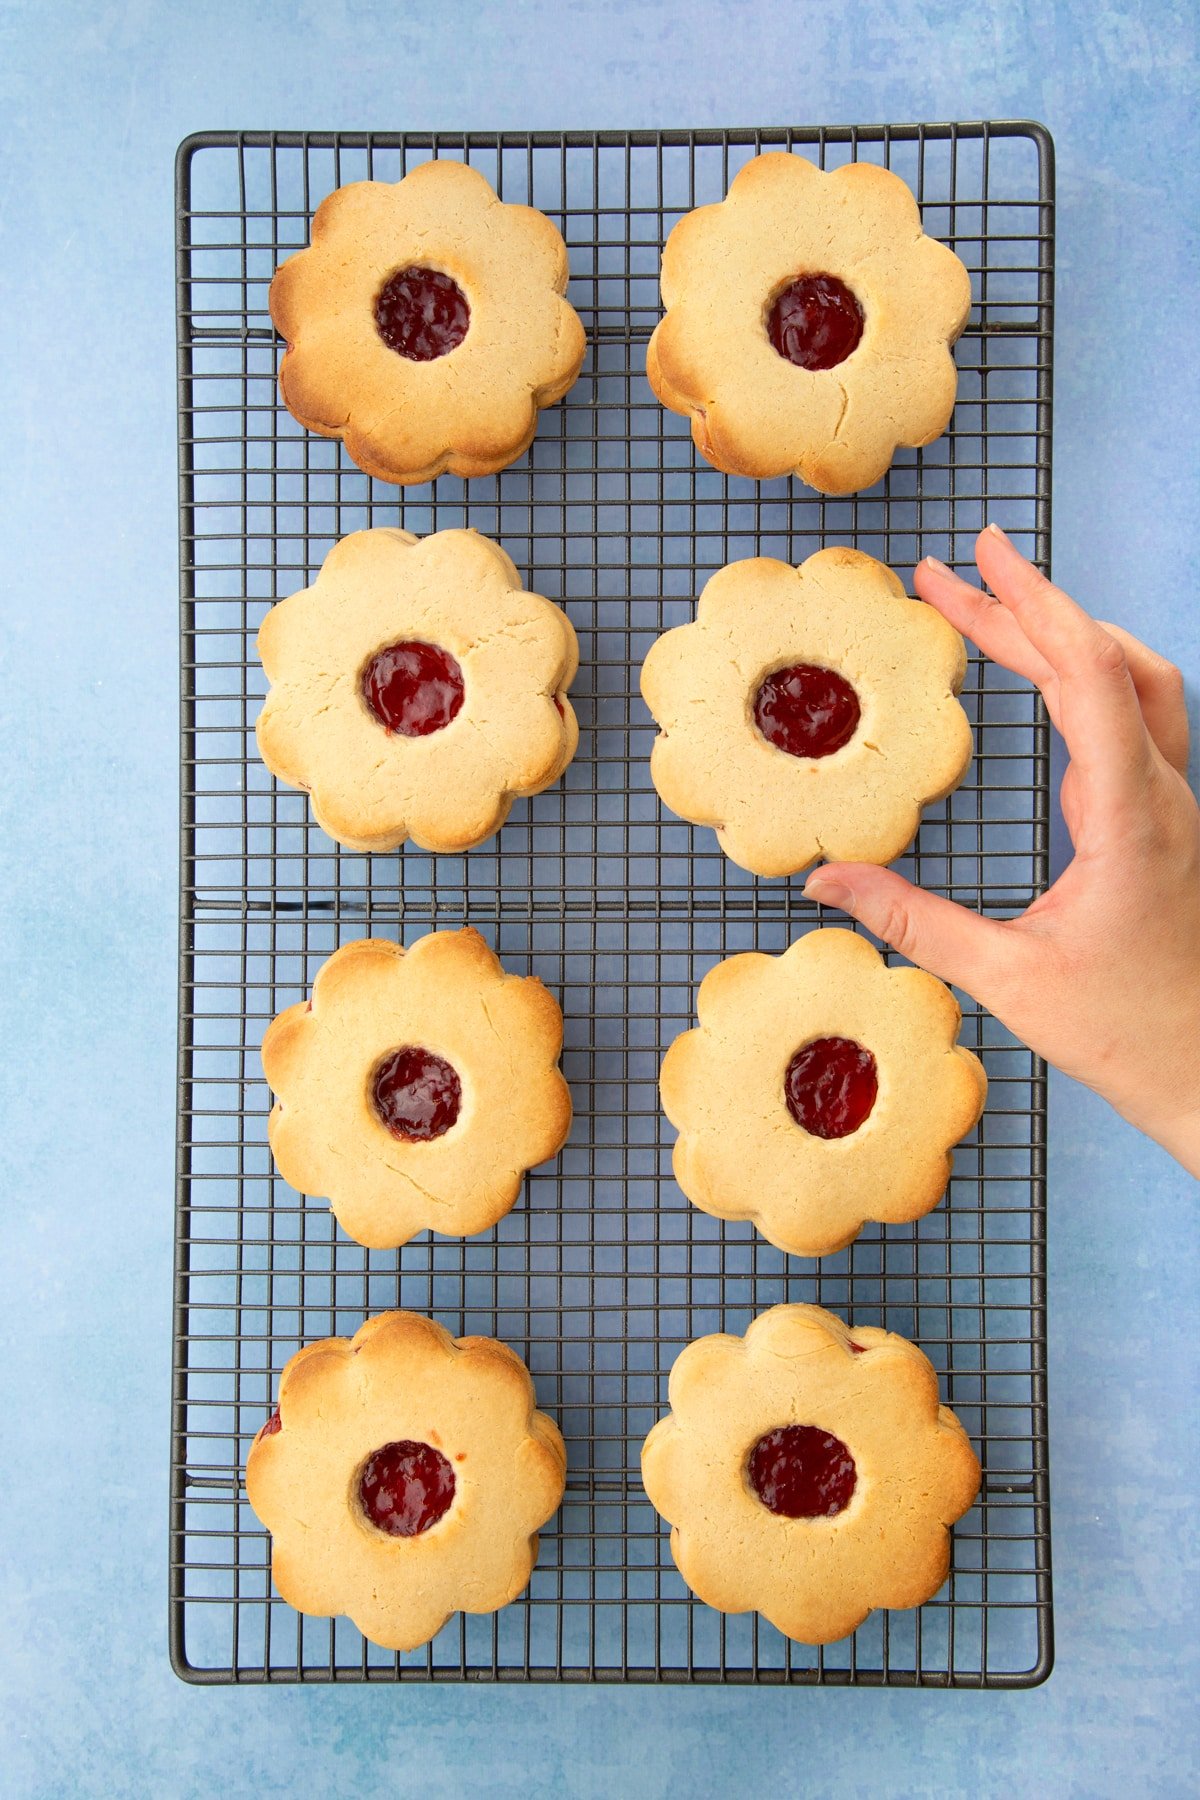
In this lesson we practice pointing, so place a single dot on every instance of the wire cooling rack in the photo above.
(602, 1272)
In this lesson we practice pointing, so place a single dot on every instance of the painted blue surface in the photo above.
(94, 100)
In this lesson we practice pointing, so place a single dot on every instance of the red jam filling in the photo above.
(405, 1487)
(413, 688)
(273, 1424)
(816, 322)
(858, 1349)
(806, 710)
(830, 1086)
(421, 314)
(416, 1094)
(802, 1472)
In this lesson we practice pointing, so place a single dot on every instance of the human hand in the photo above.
(1101, 976)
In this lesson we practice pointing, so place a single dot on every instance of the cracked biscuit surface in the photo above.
(814, 1577)
(448, 997)
(775, 813)
(741, 1152)
(514, 733)
(470, 411)
(756, 413)
(402, 1379)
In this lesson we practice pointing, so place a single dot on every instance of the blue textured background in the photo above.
(94, 100)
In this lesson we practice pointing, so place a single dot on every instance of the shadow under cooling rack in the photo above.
(602, 1272)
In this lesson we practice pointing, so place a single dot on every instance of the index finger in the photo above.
(1097, 712)
(983, 619)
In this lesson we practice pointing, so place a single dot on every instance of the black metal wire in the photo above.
(602, 1272)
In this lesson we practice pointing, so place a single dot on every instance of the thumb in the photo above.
(968, 951)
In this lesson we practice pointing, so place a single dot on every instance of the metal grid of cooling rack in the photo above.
(602, 1272)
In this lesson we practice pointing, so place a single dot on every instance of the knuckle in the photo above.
(1109, 655)
(898, 929)
(1037, 586)
(1171, 818)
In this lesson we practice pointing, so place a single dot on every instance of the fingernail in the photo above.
(828, 893)
(996, 532)
(931, 562)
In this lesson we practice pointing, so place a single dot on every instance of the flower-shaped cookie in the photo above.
(404, 1477)
(809, 1473)
(416, 1087)
(809, 324)
(820, 1090)
(807, 712)
(426, 324)
(416, 689)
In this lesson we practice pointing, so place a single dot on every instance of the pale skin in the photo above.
(1101, 976)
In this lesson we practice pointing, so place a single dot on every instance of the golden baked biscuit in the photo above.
(808, 325)
(808, 1472)
(426, 325)
(416, 689)
(808, 712)
(820, 1089)
(404, 1477)
(416, 1087)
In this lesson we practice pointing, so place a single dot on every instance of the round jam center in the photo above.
(405, 1487)
(421, 314)
(413, 688)
(802, 1472)
(816, 322)
(806, 710)
(416, 1094)
(830, 1086)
